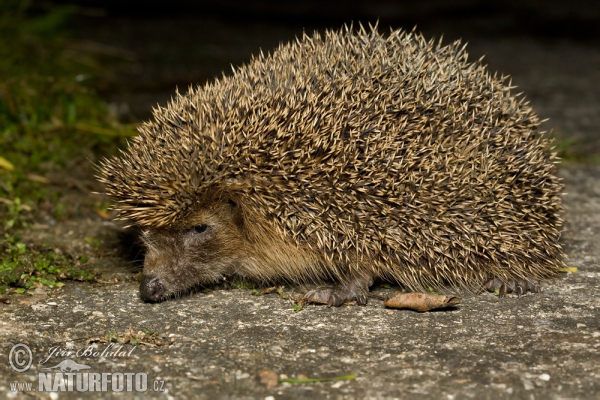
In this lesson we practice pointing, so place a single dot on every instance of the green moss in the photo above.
(94, 242)
(567, 151)
(242, 284)
(51, 118)
(23, 266)
(52, 123)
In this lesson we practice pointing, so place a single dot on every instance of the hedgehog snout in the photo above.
(151, 288)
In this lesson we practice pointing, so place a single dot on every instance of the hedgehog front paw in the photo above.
(519, 286)
(335, 296)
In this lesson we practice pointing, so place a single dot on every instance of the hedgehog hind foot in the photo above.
(334, 296)
(519, 286)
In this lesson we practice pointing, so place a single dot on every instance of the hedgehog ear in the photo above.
(236, 212)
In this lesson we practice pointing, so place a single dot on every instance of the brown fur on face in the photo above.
(203, 251)
(213, 244)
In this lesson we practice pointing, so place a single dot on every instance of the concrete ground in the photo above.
(215, 345)
(221, 343)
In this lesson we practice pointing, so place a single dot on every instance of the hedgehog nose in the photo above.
(151, 288)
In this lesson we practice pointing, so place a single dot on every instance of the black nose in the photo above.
(151, 288)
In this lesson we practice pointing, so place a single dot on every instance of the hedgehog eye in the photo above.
(200, 228)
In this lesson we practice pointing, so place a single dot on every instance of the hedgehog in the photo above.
(340, 159)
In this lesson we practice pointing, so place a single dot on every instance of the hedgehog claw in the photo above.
(335, 296)
(519, 286)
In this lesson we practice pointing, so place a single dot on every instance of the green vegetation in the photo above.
(24, 267)
(51, 122)
(242, 284)
(567, 152)
(50, 116)
(94, 242)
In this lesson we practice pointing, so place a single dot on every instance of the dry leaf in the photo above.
(103, 214)
(5, 164)
(568, 269)
(268, 377)
(421, 301)
(37, 178)
(268, 290)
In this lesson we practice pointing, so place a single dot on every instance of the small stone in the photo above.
(544, 377)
